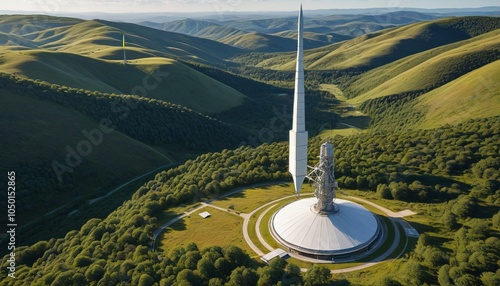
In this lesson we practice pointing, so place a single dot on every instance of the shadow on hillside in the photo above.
(422, 228)
(484, 211)
(342, 282)
(179, 225)
(360, 122)
(429, 180)
(232, 196)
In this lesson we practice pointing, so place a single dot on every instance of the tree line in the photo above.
(148, 120)
(116, 250)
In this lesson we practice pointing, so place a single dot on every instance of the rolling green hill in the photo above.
(72, 145)
(429, 69)
(86, 54)
(103, 39)
(473, 95)
(327, 38)
(378, 76)
(25, 24)
(179, 84)
(380, 48)
(250, 41)
(347, 25)
(358, 25)
(42, 135)
(259, 34)
(198, 28)
(187, 26)
(218, 33)
(258, 42)
(385, 72)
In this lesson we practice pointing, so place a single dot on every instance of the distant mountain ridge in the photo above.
(165, 16)
(266, 35)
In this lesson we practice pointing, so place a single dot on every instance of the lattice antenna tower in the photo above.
(324, 180)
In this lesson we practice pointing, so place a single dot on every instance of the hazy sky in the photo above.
(119, 6)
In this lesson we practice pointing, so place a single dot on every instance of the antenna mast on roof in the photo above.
(124, 54)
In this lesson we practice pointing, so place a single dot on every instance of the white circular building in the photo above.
(350, 229)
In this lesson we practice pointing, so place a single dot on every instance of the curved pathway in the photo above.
(92, 201)
(388, 212)
(257, 228)
(375, 261)
(161, 228)
(393, 216)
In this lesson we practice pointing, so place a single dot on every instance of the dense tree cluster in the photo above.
(251, 88)
(213, 173)
(149, 120)
(416, 165)
(471, 258)
(394, 112)
(472, 26)
(116, 250)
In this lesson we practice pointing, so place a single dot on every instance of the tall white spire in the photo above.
(298, 134)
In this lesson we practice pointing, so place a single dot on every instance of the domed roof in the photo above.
(350, 229)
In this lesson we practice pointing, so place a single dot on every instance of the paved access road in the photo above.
(394, 217)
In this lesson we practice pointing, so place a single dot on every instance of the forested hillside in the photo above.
(426, 166)
(167, 79)
(123, 129)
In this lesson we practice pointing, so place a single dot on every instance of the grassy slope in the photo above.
(315, 37)
(378, 76)
(187, 26)
(474, 95)
(26, 120)
(426, 70)
(349, 25)
(71, 52)
(103, 39)
(183, 85)
(218, 33)
(24, 24)
(202, 29)
(377, 49)
(192, 88)
(252, 41)
(261, 42)
(457, 73)
(381, 48)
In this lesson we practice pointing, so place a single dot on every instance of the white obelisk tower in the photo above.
(298, 134)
